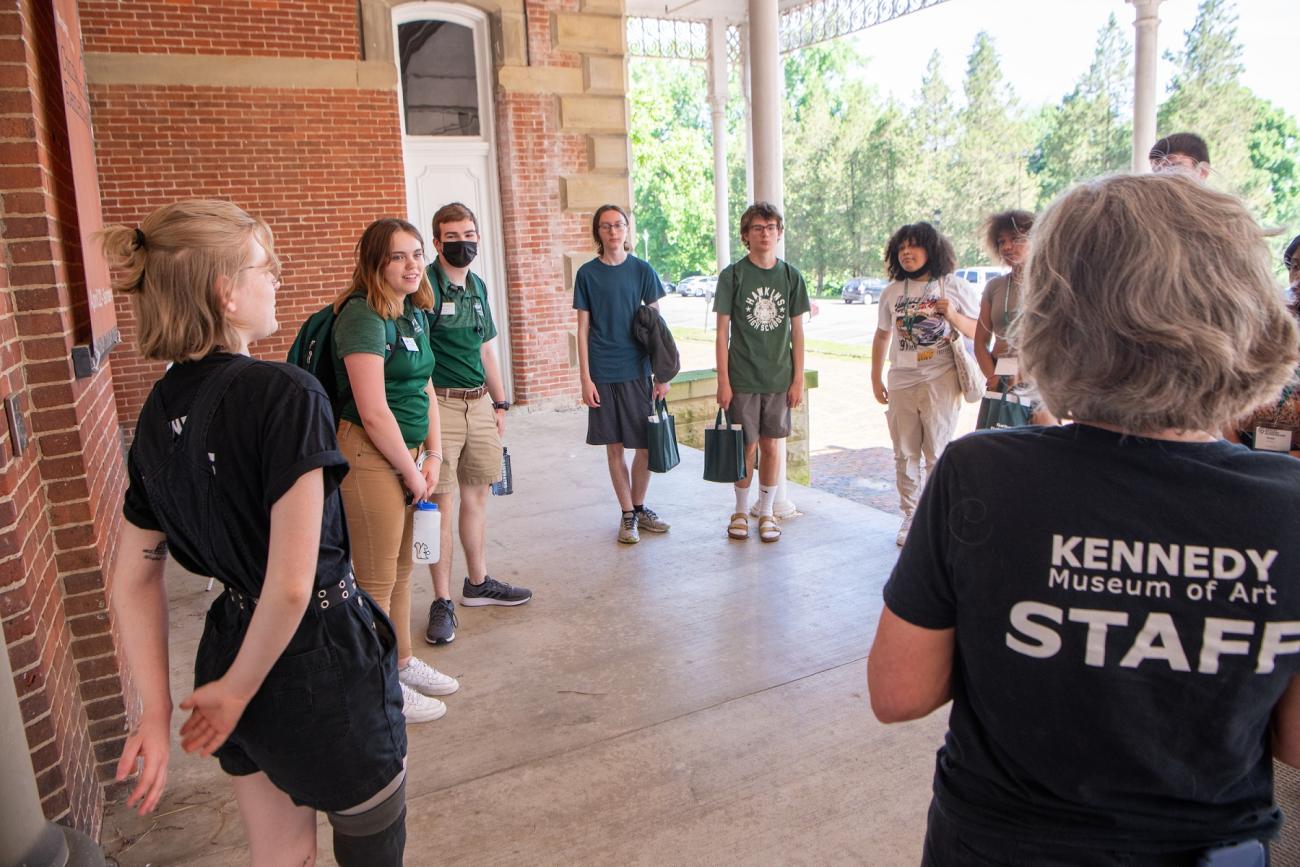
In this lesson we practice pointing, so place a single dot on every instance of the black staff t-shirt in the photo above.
(1127, 615)
(273, 425)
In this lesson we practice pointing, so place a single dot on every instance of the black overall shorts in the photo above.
(326, 725)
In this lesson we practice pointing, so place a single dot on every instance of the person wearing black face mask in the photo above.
(472, 408)
(919, 311)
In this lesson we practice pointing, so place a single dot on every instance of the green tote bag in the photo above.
(724, 451)
(1002, 409)
(661, 439)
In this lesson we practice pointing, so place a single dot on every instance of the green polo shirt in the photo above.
(406, 372)
(462, 329)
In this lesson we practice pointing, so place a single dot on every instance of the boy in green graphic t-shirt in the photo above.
(760, 303)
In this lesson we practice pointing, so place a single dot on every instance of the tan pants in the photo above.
(379, 528)
(921, 421)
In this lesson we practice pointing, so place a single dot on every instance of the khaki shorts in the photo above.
(471, 446)
(761, 415)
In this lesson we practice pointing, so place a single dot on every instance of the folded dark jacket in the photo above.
(651, 332)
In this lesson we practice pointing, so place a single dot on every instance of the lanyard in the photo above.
(1006, 303)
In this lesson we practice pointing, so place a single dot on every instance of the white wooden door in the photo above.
(444, 86)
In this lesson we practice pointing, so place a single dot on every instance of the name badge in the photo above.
(1270, 439)
(409, 343)
(1008, 365)
(906, 359)
(448, 309)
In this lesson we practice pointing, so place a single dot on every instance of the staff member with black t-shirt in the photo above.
(1113, 606)
(235, 468)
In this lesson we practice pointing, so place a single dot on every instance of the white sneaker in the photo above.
(425, 679)
(902, 530)
(420, 708)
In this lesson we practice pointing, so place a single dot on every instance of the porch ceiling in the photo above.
(803, 22)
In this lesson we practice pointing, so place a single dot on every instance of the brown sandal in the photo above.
(769, 530)
(739, 526)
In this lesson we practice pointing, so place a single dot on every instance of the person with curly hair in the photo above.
(1006, 235)
(920, 312)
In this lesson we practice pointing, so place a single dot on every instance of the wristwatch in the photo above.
(502, 405)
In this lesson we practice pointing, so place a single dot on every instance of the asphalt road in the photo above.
(835, 321)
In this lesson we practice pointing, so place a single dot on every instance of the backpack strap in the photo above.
(204, 407)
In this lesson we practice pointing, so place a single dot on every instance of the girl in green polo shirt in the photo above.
(388, 432)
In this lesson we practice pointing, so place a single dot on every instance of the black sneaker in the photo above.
(442, 622)
(493, 592)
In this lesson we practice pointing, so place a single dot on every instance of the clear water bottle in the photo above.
(426, 531)
(506, 485)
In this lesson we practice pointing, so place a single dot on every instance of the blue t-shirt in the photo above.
(612, 294)
(1126, 617)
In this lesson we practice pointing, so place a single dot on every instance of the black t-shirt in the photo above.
(273, 424)
(1127, 615)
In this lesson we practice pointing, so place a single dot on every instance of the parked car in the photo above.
(860, 290)
(699, 286)
(669, 287)
(979, 276)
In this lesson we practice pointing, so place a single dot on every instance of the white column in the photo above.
(765, 77)
(747, 87)
(718, 110)
(1145, 25)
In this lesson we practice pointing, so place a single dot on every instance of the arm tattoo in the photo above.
(158, 552)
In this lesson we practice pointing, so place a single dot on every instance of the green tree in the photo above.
(1206, 97)
(989, 172)
(1089, 134)
(1274, 147)
(672, 173)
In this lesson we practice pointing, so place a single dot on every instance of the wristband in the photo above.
(429, 454)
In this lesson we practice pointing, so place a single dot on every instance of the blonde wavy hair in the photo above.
(368, 274)
(170, 266)
(1149, 304)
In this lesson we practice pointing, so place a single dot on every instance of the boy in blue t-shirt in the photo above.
(616, 383)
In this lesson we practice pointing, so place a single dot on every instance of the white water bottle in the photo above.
(426, 530)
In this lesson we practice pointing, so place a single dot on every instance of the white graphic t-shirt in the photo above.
(907, 311)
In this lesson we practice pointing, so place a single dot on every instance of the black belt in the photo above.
(323, 597)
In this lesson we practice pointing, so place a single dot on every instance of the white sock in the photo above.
(766, 495)
(742, 500)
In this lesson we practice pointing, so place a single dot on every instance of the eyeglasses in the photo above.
(272, 271)
(1174, 163)
(610, 227)
(764, 228)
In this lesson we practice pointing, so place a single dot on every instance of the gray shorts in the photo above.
(762, 415)
(624, 412)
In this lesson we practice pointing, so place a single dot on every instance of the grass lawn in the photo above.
(821, 347)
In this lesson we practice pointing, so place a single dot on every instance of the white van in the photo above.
(979, 276)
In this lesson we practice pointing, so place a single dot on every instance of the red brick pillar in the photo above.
(60, 496)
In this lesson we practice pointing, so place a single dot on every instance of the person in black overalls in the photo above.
(235, 469)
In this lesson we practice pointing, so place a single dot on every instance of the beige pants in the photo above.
(379, 528)
(921, 421)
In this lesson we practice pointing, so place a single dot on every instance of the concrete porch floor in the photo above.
(686, 700)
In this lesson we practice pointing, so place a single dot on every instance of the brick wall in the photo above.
(317, 165)
(59, 498)
(264, 28)
(534, 152)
